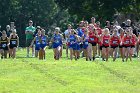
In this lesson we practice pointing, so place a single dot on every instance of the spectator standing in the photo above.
(29, 37)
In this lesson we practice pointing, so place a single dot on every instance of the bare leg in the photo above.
(28, 50)
(71, 53)
(103, 53)
(107, 53)
(115, 54)
(90, 51)
(67, 51)
(5, 53)
(14, 52)
(33, 51)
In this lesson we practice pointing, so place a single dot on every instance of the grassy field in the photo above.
(29, 75)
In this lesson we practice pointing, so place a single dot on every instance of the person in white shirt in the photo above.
(67, 33)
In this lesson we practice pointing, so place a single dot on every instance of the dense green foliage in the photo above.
(45, 13)
(52, 13)
(102, 9)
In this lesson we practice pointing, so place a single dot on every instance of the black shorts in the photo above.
(81, 46)
(105, 46)
(127, 46)
(12, 46)
(132, 46)
(93, 43)
(121, 46)
(100, 47)
(5, 48)
(114, 47)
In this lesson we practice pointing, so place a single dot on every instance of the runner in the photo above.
(138, 44)
(133, 42)
(14, 43)
(80, 32)
(67, 33)
(114, 43)
(93, 39)
(126, 43)
(99, 31)
(73, 39)
(4, 42)
(105, 44)
(121, 31)
(37, 41)
(85, 39)
(57, 43)
(43, 44)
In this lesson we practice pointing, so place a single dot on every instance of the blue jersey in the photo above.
(57, 40)
(73, 43)
(85, 43)
(80, 32)
(37, 42)
(86, 38)
(72, 39)
(43, 41)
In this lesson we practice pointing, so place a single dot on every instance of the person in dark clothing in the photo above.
(0, 32)
(8, 31)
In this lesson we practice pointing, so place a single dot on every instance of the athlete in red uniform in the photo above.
(139, 44)
(105, 44)
(126, 43)
(114, 43)
(93, 39)
(133, 42)
(99, 31)
(121, 31)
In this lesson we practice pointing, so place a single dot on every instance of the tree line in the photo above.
(51, 13)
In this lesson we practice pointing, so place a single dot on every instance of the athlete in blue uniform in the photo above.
(37, 39)
(73, 39)
(85, 39)
(57, 43)
(44, 42)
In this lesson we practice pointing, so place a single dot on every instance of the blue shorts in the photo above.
(43, 45)
(85, 45)
(55, 45)
(73, 46)
(37, 48)
(78, 46)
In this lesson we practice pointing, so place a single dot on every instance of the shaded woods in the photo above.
(51, 13)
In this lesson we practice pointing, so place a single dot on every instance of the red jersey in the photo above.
(105, 41)
(99, 30)
(133, 40)
(114, 41)
(126, 40)
(92, 38)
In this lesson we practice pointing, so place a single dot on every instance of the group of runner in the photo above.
(89, 40)
(9, 41)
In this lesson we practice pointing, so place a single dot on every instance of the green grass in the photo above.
(29, 75)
